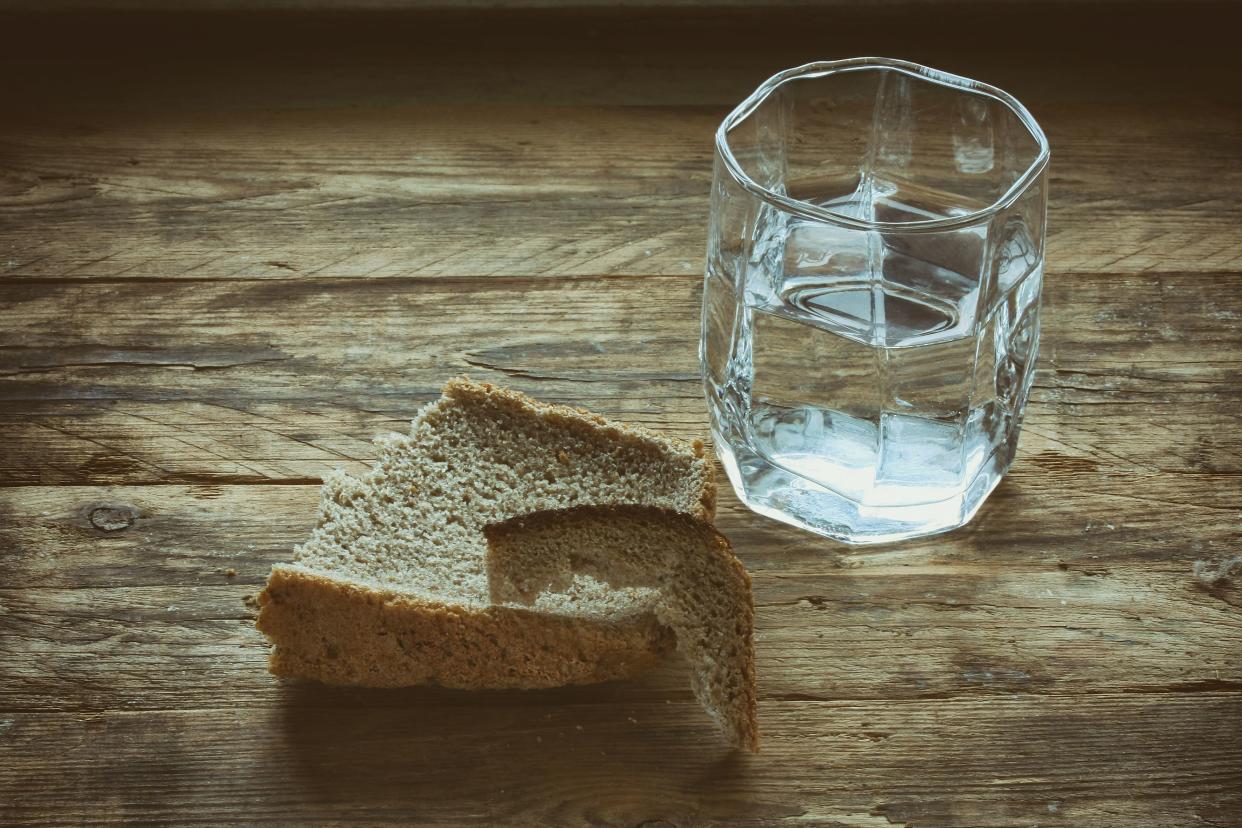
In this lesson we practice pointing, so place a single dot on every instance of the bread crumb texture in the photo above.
(391, 588)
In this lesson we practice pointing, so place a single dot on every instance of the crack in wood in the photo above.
(199, 479)
(399, 698)
(522, 373)
(30, 360)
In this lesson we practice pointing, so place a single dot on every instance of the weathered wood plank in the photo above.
(883, 634)
(188, 535)
(1101, 443)
(487, 190)
(201, 330)
(279, 381)
(1022, 761)
(119, 599)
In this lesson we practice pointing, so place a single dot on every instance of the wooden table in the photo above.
(236, 246)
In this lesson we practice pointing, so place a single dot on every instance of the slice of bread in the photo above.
(391, 588)
(702, 590)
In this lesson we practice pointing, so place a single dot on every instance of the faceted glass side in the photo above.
(871, 304)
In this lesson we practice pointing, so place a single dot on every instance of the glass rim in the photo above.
(823, 68)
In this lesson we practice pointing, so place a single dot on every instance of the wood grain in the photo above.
(201, 382)
(1016, 762)
(520, 190)
(131, 581)
(236, 247)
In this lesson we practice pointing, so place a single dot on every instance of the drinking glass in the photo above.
(871, 300)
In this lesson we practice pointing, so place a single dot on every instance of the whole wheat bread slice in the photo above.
(391, 588)
(702, 591)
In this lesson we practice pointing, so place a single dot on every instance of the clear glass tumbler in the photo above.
(871, 303)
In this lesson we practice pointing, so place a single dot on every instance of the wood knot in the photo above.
(113, 518)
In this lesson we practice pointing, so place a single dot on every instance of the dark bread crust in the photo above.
(340, 633)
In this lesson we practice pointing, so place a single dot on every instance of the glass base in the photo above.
(779, 494)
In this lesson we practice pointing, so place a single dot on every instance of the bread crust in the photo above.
(346, 634)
